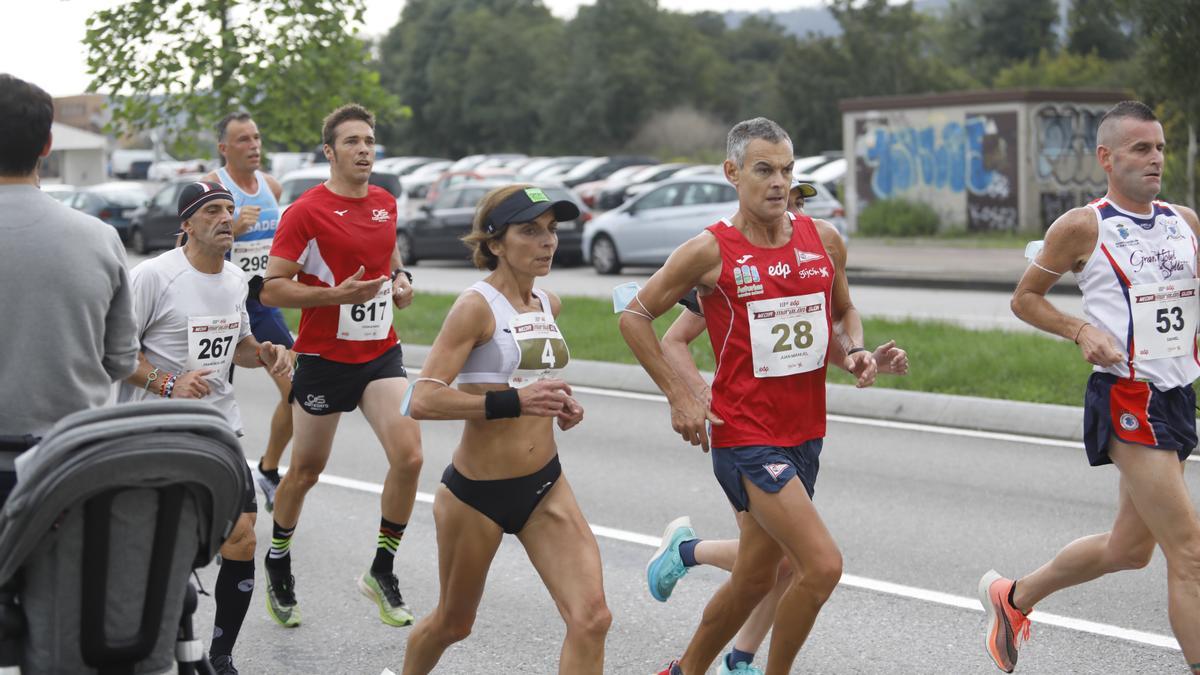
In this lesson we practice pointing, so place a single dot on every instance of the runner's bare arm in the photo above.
(696, 263)
(402, 290)
(189, 384)
(572, 412)
(469, 323)
(250, 353)
(847, 323)
(1068, 245)
(275, 185)
(280, 288)
(675, 346)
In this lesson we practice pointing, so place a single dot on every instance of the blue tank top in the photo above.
(250, 250)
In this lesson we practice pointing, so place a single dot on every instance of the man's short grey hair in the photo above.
(745, 131)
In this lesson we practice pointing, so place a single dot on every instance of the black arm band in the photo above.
(501, 403)
(856, 350)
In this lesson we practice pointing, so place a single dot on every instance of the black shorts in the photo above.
(323, 387)
(508, 502)
(249, 499)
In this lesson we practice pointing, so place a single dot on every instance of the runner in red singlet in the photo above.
(772, 285)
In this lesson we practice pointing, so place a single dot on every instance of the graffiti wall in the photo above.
(1063, 145)
(964, 164)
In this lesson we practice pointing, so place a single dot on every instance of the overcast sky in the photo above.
(45, 44)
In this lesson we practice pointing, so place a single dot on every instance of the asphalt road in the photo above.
(927, 512)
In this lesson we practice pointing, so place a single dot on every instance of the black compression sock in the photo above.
(385, 549)
(273, 474)
(234, 587)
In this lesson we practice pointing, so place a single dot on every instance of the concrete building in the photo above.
(77, 157)
(1004, 160)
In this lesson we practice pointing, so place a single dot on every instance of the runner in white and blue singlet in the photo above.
(1134, 258)
(256, 215)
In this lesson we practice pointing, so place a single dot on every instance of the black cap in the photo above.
(526, 205)
(195, 195)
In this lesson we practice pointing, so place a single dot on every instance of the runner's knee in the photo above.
(303, 474)
(407, 459)
(591, 617)
(241, 542)
(1131, 558)
(823, 574)
(455, 626)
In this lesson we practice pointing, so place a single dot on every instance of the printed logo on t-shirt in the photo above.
(806, 257)
(342, 212)
(747, 280)
(779, 269)
(379, 215)
(776, 470)
(742, 260)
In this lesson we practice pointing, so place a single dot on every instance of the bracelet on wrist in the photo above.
(169, 386)
(1080, 331)
(856, 350)
(150, 379)
(396, 273)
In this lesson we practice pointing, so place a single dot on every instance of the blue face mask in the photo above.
(623, 295)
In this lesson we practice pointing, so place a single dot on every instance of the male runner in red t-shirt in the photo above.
(334, 256)
(772, 284)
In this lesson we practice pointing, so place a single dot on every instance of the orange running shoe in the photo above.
(1007, 626)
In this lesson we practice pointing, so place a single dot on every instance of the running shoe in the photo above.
(384, 589)
(281, 597)
(672, 669)
(268, 485)
(742, 668)
(223, 665)
(666, 568)
(1007, 626)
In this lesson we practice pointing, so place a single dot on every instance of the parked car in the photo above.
(645, 229)
(155, 225)
(300, 181)
(114, 203)
(450, 178)
(133, 163)
(437, 229)
(60, 191)
(417, 183)
(591, 190)
(601, 167)
(616, 191)
(542, 165)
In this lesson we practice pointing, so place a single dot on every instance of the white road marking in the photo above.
(850, 580)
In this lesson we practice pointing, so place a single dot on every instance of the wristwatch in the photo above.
(404, 272)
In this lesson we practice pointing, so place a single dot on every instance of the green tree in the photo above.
(1168, 32)
(1097, 26)
(476, 73)
(1067, 69)
(988, 35)
(182, 64)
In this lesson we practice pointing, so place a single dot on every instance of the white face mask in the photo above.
(623, 294)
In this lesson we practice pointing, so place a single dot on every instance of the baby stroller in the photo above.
(111, 512)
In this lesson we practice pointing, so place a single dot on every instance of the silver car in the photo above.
(645, 229)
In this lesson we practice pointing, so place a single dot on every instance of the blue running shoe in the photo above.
(666, 568)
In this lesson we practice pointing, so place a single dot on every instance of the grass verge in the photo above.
(943, 358)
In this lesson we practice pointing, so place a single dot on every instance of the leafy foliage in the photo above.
(181, 65)
(898, 218)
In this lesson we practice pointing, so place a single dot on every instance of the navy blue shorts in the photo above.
(769, 467)
(1137, 412)
(267, 324)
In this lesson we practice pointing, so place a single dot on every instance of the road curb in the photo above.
(916, 407)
